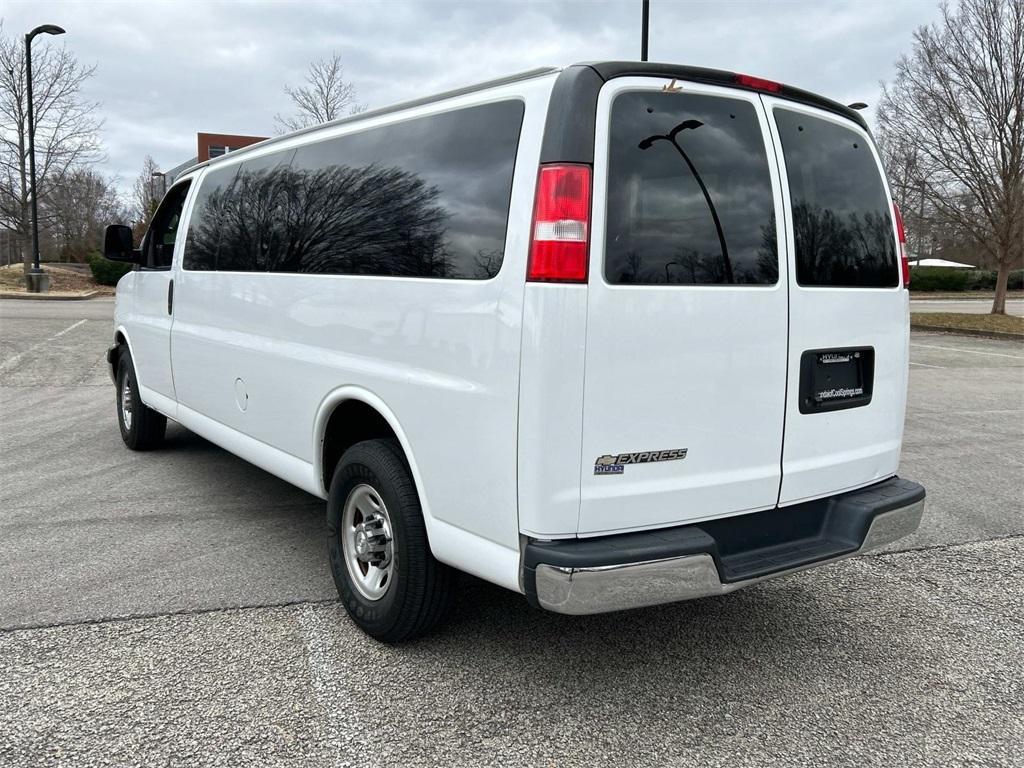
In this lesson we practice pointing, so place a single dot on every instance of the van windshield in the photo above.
(841, 218)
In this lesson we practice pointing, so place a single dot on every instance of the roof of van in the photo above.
(612, 69)
(588, 76)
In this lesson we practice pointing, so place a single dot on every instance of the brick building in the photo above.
(210, 145)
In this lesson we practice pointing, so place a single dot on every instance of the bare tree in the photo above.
(145, 196)
(79, 210)
(902, 165)
(325, 96)
(66, 135)
(958, 101)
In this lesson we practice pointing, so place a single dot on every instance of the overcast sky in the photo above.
(168, 70)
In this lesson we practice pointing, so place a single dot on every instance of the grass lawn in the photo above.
(957, 321)
(65, 281)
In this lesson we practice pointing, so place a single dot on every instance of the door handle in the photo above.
(170, 297)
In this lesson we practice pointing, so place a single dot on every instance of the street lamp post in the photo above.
(38, 281)
(645, 21)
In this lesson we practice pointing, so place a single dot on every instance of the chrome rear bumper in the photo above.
(620, 586)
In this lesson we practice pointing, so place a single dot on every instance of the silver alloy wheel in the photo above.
(126, 403)
(367, 542)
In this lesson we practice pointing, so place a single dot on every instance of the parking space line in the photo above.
(968, 351)
(69, 328)
(925, 365)
(13, 361)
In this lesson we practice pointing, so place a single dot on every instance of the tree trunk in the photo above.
(1002, 277)
(25, 244)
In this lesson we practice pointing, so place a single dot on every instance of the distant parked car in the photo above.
(609, 336)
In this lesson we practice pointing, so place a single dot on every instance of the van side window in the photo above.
(163, 230)
(841, 219)
(427, 197)
(689, 192)
(210, 211)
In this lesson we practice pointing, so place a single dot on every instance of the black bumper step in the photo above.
(743, 546)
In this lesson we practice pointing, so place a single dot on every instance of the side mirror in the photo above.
(118, 244)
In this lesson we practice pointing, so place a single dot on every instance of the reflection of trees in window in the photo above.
(768, 252)
(487, 263)
(691, 267)
(204, 231)
(688, 266)
(250, 213)
(334, 220)
(632, 269)
(832, 249)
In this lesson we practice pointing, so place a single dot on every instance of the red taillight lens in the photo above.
(902, 237)
(561, 225)
(758, 83)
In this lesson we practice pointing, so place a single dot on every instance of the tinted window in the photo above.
(254, 214)
(209, 212)
(841, 219)
(427, 197)
(676, 163)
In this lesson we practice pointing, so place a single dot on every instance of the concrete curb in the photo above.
(48, 296)
(967, 332)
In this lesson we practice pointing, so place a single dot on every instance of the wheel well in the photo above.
(352, 421)
(121, 347)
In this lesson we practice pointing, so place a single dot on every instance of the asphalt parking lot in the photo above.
(177, 608)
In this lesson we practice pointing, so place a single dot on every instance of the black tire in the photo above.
(145, 428)
(419, 590)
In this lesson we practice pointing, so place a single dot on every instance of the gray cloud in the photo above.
(168, 70)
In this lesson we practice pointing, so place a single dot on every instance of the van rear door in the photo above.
(848, 321)
(686, 342)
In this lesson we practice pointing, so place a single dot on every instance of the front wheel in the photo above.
(387, 579)
(142, 428)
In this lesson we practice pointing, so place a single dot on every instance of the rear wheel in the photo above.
(142, 428)
(387, 579)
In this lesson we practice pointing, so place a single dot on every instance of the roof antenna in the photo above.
(643, 32)
(858, 105)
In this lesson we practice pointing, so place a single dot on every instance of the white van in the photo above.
(609, 336)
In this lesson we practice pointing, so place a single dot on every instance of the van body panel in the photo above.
(151, 329)
(833, 451)
(551, 408)
(678, 366)
(434, 350)
(143, 312)
(284, 465)
(398, 345)
(150, 312)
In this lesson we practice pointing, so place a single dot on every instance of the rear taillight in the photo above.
(902, 237)
(561, 225)
(758, 83)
